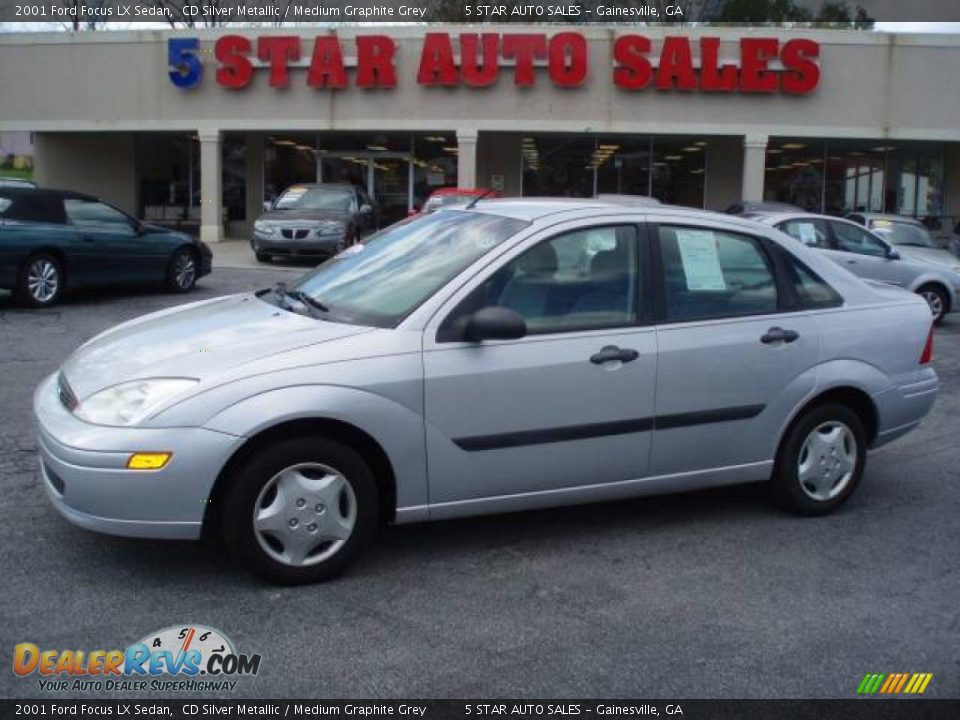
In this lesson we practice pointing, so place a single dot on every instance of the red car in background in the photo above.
(450, 195)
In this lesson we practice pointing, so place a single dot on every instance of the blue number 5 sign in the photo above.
(186, 69)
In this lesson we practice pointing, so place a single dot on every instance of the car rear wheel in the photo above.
(182, 272)
(41, 280)
(821, 460)
(300, 510)
(937, 299)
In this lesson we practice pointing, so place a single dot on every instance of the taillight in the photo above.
(926, 357)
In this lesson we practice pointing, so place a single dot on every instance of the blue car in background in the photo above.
(54, 240)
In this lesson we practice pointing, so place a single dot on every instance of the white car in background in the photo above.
(926, 270)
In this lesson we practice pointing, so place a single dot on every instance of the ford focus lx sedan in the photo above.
(515, 355)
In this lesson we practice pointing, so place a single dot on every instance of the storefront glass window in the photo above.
(623, 165)
(288, 159)
(168, 169)
(839, 176)
(559, 165)
(670, 169)
(678, 170)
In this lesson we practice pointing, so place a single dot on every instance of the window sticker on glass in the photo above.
(701, 263)
(808, 233)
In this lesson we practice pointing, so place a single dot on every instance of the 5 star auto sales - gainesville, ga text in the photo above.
(180, 650)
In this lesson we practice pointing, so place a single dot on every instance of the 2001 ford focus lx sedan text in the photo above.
(511, 355)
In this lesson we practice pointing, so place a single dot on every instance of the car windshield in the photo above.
(438, 201)
(901, 233)
(383, 280)
(304, 198)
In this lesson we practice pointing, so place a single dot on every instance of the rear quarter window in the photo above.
(35, 208)
(5, 202)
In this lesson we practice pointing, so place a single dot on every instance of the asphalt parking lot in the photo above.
(711, 594)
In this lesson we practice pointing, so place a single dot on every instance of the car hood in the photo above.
(200, 340)
(301, 215)
(932, 256)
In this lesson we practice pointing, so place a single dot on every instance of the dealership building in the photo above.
(198, 128)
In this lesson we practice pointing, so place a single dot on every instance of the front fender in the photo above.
(398, 429)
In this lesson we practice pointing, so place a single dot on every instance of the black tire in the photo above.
(40, 280)
(788, 488)
(934, 293)
(258, 473)
(182, 271)
(263, 257)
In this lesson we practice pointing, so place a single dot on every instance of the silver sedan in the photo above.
(512, 355)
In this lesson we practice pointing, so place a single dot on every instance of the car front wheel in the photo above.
(41, 280)
(300, 510)
(821, 460)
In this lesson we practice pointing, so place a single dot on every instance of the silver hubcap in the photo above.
(42, 280)
(827, 461)
(934, 301)
(184, 270)
(304, 514)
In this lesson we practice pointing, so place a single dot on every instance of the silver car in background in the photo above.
(931, 272)
(514, 355)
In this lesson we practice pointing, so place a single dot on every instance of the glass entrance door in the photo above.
(385, 176)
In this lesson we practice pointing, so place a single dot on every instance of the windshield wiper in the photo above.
(308, 300)
(282, 292)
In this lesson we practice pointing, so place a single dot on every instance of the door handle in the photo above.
(851, 262)
(777, 335)
(87, 238)
(610, 353)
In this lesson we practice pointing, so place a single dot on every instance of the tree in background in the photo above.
(77, 22)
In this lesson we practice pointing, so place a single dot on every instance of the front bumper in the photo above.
(82, 467)
(311, 246)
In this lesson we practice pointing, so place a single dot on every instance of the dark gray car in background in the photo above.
(313, 220)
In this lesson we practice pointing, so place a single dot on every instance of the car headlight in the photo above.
(330, 227)
(130, 402)
(264, 227)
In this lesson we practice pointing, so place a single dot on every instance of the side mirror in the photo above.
(366, 209)
(494, 323)
(892, 254)
(139, 228)
(267, 205)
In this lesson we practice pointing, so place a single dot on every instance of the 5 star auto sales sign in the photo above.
(477, 60)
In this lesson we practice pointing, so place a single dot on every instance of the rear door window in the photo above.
(35, 207)
(809, 231)
(714, 273)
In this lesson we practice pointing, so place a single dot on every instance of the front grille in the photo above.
(65, 393)
(293, 233)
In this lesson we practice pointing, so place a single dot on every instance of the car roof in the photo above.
(322, 186)
(888, 216)
(533, 209)
(46, 193)
(460, 191)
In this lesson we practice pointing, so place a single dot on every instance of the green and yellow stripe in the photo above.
(894, 683)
